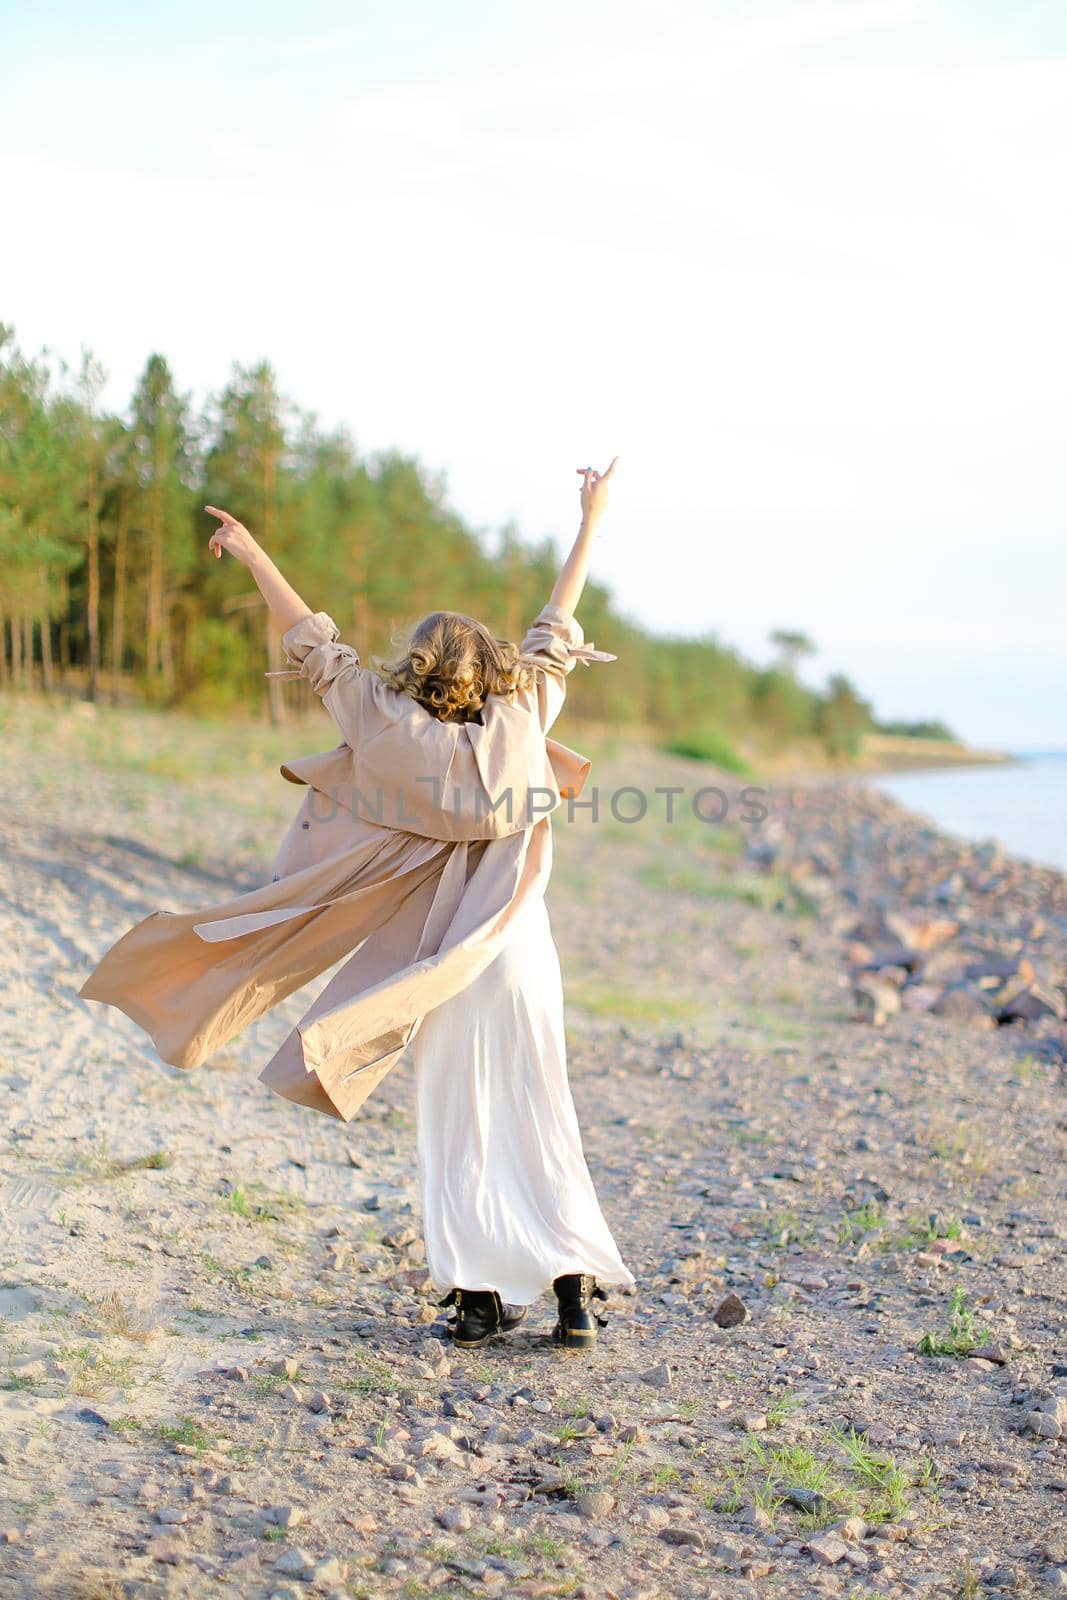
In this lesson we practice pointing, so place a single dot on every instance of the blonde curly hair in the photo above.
(450, 664)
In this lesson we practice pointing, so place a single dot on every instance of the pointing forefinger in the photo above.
(223, 516)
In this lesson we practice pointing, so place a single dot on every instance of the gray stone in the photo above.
(828, 1549)
(327, 1572)
(675, 1535)
(455, 1519)
(283, 1516)
(596, 1503)
(294, 1563)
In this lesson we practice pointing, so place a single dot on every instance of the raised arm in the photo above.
(285, 605)
(571, 580)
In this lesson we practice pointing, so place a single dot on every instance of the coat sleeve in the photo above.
(553, 645)
(333, 669)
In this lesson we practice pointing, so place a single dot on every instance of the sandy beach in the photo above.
(819, 1066)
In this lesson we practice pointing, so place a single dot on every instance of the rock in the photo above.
(172, 1514)
(400, 1238)
(594, 1504)
(1030, 1004)
(828, 1549)
(808, 1500)
(294, 1563)
(921, 934)
(754, 1422)
(169, 1551)
(284, 1367)
(87, 1414)
(327, 1572)
(283, 1516)
(675, 1535)
(852, 1528)
(875, 1000)
(318, 1401)
(454, 1519)
(960, 1003)
(1043, 1424)
(730, 1312)
(660, 1376)
(994, 1353)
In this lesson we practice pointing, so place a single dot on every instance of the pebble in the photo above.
(686, 1536)
(594, 1504)
(659, 1376)
(454, 1519)
(169, 1551)
(283, 1516)
(294, 1563)
(730, 1312)
(327, 1572)
(828, 1549)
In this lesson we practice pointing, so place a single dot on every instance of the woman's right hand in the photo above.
(595, 490)
(233, 537)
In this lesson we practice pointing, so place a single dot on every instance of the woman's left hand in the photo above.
(595, 490)
(233, 537)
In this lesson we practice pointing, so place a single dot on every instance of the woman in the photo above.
(423, 850)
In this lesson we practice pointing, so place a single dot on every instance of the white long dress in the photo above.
(508, 1202)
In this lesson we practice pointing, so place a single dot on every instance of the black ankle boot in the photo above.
(480, 1313)
(577, 1324)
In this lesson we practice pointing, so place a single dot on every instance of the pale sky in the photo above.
(801, 265)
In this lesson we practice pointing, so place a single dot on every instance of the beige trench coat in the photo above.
(415, 846)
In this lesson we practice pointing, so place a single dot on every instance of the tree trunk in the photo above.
(118, 605)
(154, 664)
(16, 654)
(275, 694)
(93, 618)
(27, 651)
(4, 679)
(166, 649)
(47, 674)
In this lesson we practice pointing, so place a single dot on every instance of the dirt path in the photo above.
(224, 1372)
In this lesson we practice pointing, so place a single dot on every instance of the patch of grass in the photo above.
(963, 1335)
(238, 1276)
(968, 1583)
(857, 1225)
(99, 1163)
(882, 1480)
(784, 1228)
(924, 1230)
(864, 1481)
(112, 1314)
(628, 1005)
(709, 744)
(376, 1379)
(781, 1408)
(189, 1432)
(259, 1204)
(92, 1372)
(622, 1461)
